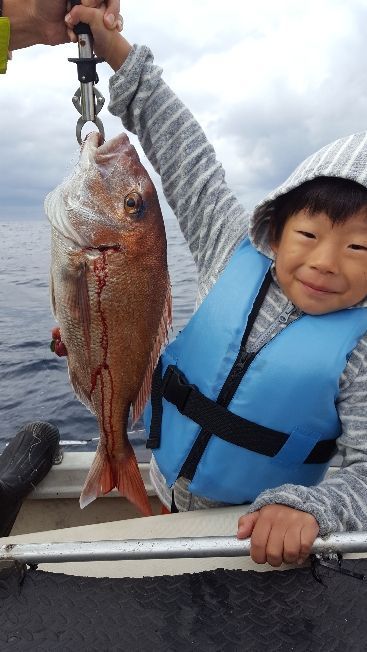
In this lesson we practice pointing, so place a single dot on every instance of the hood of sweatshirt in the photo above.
(345, 158)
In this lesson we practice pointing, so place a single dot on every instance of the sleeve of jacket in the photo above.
(4, 43)
(339, 502)
(210, 217)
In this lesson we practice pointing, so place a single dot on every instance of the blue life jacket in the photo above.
(279, 423)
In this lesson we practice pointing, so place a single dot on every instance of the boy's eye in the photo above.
(357, 247)
(307, 234)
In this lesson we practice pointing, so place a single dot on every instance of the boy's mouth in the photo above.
(317, 288)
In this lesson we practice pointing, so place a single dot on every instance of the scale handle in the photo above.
(80, 28)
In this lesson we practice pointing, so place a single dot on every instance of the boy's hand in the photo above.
(107, 42)
(279, 534)
(110, 17)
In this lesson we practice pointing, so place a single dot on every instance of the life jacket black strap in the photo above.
(218, 420)
(154, 438)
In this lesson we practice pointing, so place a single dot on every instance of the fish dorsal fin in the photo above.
(159, 341)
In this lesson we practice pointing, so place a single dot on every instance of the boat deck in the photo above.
(174, 605)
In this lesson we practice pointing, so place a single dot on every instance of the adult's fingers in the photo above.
(72, 36)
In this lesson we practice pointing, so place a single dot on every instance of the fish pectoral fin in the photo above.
(52, 295)
(76, 297)
(159, 341)
(81, 392)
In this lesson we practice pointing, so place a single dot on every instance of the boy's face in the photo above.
(322, 267)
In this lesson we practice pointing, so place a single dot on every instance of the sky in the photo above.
(270, 83)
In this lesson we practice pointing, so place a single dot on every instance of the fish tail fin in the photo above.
(105, 475)
(130, 483)
(161, 338)
(99, 480)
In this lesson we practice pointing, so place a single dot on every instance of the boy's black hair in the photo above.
(338, 198)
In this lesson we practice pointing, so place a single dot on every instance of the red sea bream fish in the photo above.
(110, 294)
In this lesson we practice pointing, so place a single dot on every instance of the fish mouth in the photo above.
(116, 145)
(106, 155)
(93, 139)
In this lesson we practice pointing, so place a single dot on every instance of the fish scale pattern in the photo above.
(222, 610)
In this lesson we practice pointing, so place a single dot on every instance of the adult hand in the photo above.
(279, 534)
(57, 345)
(42, 21)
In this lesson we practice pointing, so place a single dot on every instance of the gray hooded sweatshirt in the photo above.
(213, 223)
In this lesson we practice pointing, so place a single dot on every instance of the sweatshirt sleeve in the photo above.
(210, 217)
(339, 502)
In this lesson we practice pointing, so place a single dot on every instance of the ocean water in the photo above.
(34, 383)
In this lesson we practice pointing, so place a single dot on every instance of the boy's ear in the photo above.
(274, 244)
(273, 240)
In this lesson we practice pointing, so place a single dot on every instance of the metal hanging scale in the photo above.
(88, 100)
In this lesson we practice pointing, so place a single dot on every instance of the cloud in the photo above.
(269, 82)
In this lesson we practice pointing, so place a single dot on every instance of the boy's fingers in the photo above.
(292, 545)
(91, 3)
(259, 540)
(113, 7)
(84, 15)
(308, 536)
(112, 18)
(274, 551)
(246, 525)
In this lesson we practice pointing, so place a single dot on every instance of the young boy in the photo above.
(274, 360)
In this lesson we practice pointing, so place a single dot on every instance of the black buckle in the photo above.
(175, 387)
(87, 71)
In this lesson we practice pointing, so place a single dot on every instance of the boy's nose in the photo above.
(325, 260)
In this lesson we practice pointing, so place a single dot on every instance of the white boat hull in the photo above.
(54, 503)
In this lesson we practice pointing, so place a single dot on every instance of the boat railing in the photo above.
(186, 547)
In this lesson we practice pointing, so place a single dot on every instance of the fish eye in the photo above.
(133, 203)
